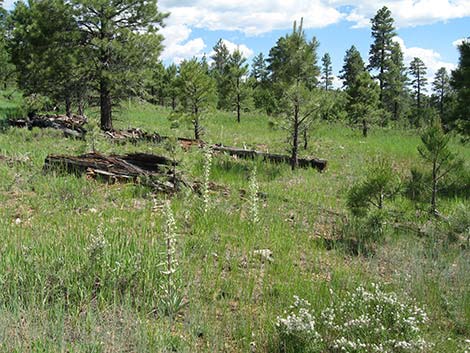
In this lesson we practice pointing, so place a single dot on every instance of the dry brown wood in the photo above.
(319, 164)
(72, 126)
(149, 169)
(186, 143)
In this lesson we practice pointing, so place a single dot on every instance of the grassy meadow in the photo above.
(80, 260)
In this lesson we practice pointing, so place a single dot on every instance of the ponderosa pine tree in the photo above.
(461, 84)
(352, 68)
(122, 42)
(417, 71)
(394, 94)
(363, 101)
(220, 72)
(239, 90)
(7, 69)
(196, 92)
(300, 101)
(380, 53)
(327, 72)
(263, 96)
(441, 88)
(171, 89)
(285, 55)
(48, 59)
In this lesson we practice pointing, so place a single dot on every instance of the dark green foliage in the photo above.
(288, 64)
(380, 53)
(461, 83)
(327, 72)
(380, 183)
(395, 95)
(418, 82)
(363, 105)
(263, 96)
(435, 151)
(220, 72)
(48, 58)
(240, 92)
(121, 42)
(352, 68)
(441, 89)
(196, 92)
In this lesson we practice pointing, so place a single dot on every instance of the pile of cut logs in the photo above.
(155, 171)
(72, 126)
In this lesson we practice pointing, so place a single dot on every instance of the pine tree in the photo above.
(363, 101)
(418, 72)
(327, 72)
(396, 79)
(259, 70)
(7, 69)
(299, 101)
(285, 59)
(352, 68)
(239, 90)
(380, 53)
(220, 72)
(48, 59)
(171, 88)
(122, 43)
(461, 83)
(196, 92)
(263, 96)
(441, 88)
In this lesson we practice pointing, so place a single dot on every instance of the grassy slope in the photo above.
(63, 288)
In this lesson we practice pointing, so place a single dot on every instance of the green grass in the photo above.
(79, 264)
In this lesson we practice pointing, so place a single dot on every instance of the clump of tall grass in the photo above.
(366, 320)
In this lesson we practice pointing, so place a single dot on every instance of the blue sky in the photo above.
(428, 29)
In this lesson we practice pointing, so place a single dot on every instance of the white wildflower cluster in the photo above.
(97, 245)
(253, 198)
(299, 322)
(364, 321)
(171, 261)
(206, 176)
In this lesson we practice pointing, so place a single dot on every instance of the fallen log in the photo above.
(152, 170)
(71, 126)
(319, 164)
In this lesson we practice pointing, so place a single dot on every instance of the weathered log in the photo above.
(186, 143)
(71, 126)
(319, 164)
(149, 169)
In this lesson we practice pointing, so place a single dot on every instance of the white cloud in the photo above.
(431, 58)
(262, 16)
(251, 17)
(406, 12)
(246, 52)
(177, 46)
(457, 42)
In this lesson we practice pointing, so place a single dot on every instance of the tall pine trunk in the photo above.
(68, 106)
(295, 139)
(238, 109)
(365, 128)
(105, 105)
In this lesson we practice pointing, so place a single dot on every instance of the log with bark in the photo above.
(72, 126)
(152, 170)
(319, 164)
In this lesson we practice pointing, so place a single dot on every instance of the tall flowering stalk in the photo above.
(253, 199)
(206, 176)
(172, 299)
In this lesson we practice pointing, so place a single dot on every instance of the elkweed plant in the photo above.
(171, 300)
(206, 176)
(364, 321)
(253, 199)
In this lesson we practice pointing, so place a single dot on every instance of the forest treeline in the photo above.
(83, 53)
